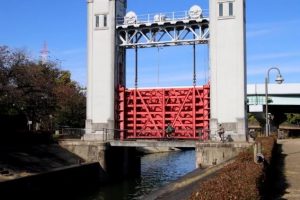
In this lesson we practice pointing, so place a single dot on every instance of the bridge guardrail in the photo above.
(120, 134)
(75, 133)
(160, 17)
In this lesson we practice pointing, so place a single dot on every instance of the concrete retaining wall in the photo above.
(89, 151)
(208, 154)
(117, 162)
(55, 184)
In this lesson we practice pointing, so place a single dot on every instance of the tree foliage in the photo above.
(293, 118)
(40, 92)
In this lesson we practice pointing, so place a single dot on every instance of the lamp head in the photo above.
(279, 79)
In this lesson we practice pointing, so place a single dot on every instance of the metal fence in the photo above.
(160, 17)
(121, 134)
(72, 132)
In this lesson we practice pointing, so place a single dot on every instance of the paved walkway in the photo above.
(291, 152)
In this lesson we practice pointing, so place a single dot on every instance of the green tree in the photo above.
(71, 102)
(293, 118)
(40, 92)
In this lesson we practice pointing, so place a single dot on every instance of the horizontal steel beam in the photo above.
(159, 35)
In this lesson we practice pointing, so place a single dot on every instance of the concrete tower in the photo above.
(101, 59)
(228, 67)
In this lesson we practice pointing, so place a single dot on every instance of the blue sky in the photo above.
(273, 32)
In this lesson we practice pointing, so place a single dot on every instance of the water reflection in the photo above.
(157, 170)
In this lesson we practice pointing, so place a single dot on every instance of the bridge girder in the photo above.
(164, 34)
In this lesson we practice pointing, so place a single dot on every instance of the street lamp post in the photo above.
(279, 79)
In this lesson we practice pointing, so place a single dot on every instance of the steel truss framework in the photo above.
(145, 113)
(164, 34)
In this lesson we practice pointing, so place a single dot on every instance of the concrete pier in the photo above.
(90, 151)
(117, 162)
(119, 158)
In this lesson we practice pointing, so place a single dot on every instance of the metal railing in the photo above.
(72, 133)
(160, 17)
(120, 134)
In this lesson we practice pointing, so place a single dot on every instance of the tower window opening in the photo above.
(221, 9)
(101, 21)
(105, 21)
(230, 8)
(97, 21)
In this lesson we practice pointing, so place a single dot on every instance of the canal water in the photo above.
(156, 170)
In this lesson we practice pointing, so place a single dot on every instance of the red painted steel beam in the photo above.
(148, 111)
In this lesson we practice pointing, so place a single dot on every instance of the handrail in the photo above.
(79, 132)
(160, 17)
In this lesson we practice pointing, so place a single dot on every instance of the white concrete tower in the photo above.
(101, 59)
(228, 67)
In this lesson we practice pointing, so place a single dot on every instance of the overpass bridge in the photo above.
(284, 98)
(284, 95)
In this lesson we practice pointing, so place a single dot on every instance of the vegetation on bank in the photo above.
(37, 95)
(289, 118)
(243, 179)
(293, 118)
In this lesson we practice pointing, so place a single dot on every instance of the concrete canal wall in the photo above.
(117, 162)
(51, 184)
(123, 160)
(208, 154)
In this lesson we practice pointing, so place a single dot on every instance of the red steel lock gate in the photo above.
(146, 113)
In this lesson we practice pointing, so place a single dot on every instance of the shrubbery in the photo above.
(242, 179)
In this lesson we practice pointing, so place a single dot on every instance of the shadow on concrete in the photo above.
(294, 133)
(70, 182)
(276, 181)
(31, 153)
(34, 166)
